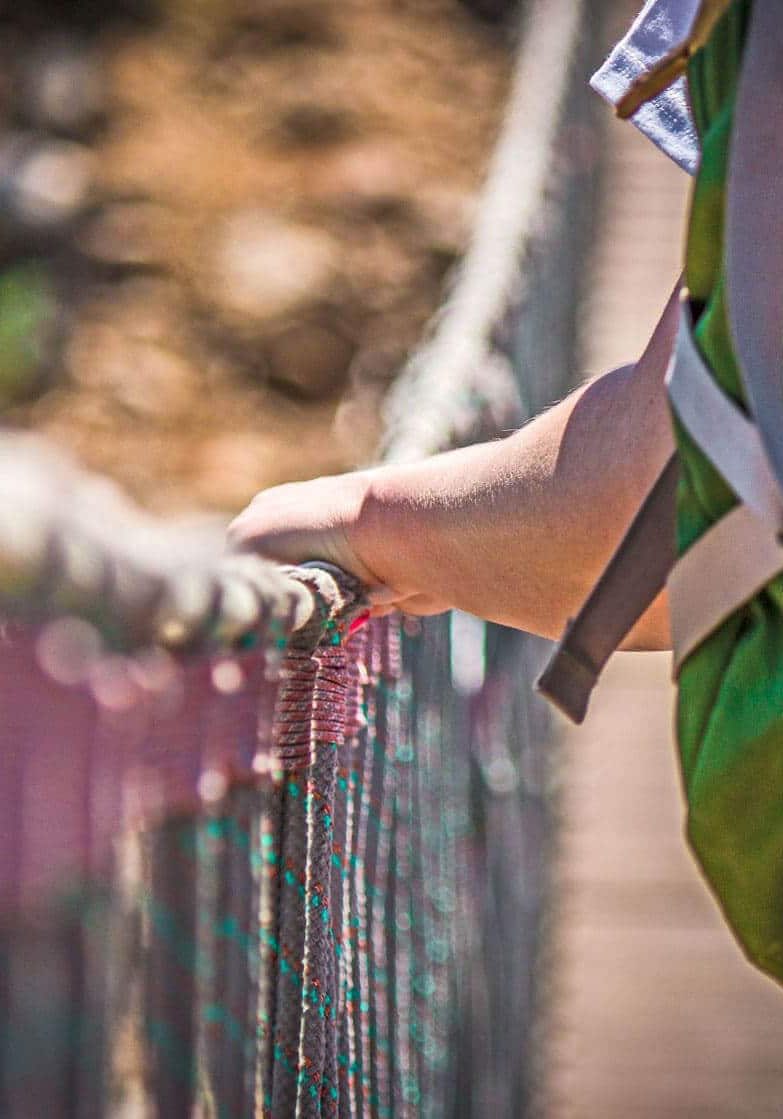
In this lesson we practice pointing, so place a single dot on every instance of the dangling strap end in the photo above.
(568, 679)
(628, 585)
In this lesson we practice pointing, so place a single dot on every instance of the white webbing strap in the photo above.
(720, 429)
(739, 555)
(724, 569)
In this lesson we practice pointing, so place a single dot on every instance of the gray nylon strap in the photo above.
(755, 225)
(726, 436)
(629, 584)
(725, 568)
(633, 577)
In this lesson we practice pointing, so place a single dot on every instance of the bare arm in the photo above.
(516, 531)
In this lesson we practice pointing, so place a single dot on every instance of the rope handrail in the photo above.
(457, 386)
(71, 541)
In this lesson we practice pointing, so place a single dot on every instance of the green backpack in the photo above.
(721, 555)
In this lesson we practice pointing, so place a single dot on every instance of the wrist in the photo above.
(387, 532)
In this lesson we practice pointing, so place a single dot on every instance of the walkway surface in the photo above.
(654, 1012)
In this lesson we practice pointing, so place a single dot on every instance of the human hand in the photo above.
(339, 520)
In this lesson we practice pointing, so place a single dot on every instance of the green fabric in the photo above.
(730, 705)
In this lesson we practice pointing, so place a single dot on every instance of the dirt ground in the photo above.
(227, 222)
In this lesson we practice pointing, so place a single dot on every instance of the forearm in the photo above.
(518, 530)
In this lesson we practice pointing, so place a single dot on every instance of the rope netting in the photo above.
(256, 860)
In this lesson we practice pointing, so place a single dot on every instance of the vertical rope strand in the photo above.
(292, 749)
(318, 1091)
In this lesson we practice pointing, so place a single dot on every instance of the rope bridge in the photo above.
(256, 860)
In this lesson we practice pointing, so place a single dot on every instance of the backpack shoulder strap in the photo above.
(739, 555)
(754, 231)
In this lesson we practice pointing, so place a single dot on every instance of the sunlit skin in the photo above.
(515, 531)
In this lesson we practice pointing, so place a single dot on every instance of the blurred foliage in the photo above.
(26, 313)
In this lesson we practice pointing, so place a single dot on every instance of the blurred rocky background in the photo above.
(223, 224)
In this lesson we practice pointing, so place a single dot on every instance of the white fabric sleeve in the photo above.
(666, 119)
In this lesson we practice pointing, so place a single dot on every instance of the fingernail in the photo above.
(383, 611)
(359, 621)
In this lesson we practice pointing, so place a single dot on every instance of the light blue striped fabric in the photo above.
(666, 119)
